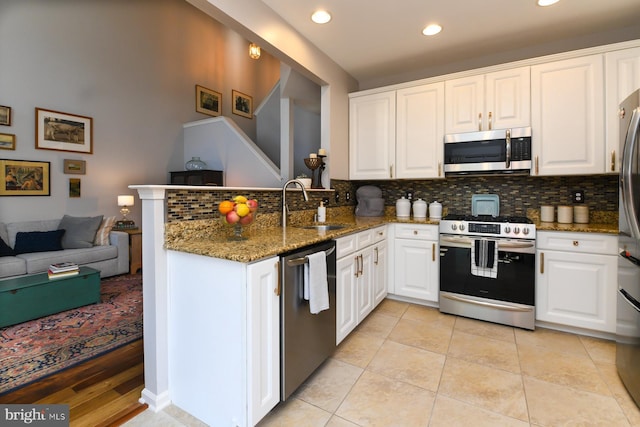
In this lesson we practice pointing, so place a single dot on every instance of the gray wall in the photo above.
(130, 65)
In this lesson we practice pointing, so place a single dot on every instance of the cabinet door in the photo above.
(346, 296)
(577, 289)
(420, 131)
(372, 136)
(365, 283)
(417, 269)
(380, 259)
(263, 348)
(507, 99)
(623, 77)
(464, 104)
(567, 116)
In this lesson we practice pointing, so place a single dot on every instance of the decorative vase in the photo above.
(237, 233)
(195, 164)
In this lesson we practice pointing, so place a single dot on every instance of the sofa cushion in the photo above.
(14, 227)
(5, 250)
(12, 266)
(102, 236)
(39, 262)
(38, 241)
(80, 231)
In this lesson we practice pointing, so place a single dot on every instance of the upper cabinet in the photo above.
(567, 116)
(498, 100)
(622, 68)
(397, 134)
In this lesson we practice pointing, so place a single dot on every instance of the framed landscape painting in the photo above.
(63, 131)
(242, 104)
(25, 178)
(5, 115)
(7, 141)
(75, 166)
(208, 101)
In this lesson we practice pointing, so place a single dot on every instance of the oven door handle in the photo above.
(501, 244)
(486, 304)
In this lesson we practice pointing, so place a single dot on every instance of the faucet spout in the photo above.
(284, 198)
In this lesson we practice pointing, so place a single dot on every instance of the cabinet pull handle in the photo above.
(433, 252)
(415, 232)
(479, 121)
(490, 118)
(361, 265)
(576, 243)
(277, 289)
(536, 165)
(375, 250)
(439, 168)
(357, 266)
(390, 171)
(541, 262)
(613, 161)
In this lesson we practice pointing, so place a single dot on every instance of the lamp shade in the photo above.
(126, 200)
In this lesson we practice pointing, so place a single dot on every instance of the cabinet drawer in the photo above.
(346, 245)
(602, 244)
(417, 231)
(379, 234)
(364, 239)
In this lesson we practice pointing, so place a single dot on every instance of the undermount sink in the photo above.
(323, 227)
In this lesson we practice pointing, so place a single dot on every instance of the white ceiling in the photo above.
(374, 39)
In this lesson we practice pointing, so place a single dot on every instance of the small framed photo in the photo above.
(5, 115)
(25, 178)
(63, 131)
(7, 141)
(208, 101)
(242, 104)
(78, 167)
(74, 187)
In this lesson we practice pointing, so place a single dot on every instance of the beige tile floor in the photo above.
(408, 365)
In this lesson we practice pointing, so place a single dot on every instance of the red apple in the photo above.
(253, 205)
(247, 219)
(232, 217)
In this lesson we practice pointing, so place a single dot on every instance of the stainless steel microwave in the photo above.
(501, 151)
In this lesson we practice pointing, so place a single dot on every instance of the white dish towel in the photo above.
(484, 258)
(316, 287)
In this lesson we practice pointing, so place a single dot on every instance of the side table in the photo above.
(135, 250)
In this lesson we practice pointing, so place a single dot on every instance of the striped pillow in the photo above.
(102, 236)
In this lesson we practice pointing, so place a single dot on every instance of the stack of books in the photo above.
(63, 269)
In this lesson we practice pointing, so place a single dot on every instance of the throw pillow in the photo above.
(80, 231)
(38, 241)
(5, 250)
(102, 236)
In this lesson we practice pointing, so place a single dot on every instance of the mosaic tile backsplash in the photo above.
(517, 194)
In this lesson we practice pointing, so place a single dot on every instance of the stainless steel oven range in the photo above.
(487, 268)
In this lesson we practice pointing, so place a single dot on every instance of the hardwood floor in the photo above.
(100, 392)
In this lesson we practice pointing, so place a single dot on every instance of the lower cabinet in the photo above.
(576, 280)
(417, 261)
(360, 277)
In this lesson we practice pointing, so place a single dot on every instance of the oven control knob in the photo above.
(461, 227)
(454, 227)
(507, 229)
(516, 230)
(525, 231)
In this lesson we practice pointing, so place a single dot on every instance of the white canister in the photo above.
(419, 209)
(547, 213)
(403, 208)
(435, 210)
(565, 214)
(581, 214)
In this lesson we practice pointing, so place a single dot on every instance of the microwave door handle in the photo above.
(508, 140)
(627, 172)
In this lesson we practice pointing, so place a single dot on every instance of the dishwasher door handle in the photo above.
(303, 260)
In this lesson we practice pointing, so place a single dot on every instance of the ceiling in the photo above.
(375, 40)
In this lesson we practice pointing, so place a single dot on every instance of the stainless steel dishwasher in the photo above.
(307, 339)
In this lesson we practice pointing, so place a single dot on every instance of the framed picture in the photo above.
(208, 101)
(7, 141)
(74, 187)
(63, 131)
(5, 115)
(78, 167)
(242, 104)
(24, 178)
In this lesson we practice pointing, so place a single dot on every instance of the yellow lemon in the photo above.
(240, 199)
(242, 209)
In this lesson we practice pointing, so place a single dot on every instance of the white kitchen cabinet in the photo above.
(420, 131)
(416, 261)
(224, 330)
(576, 280)
(622, 70)
(372, 136)
(360, 278)
(497, 100)
(397, 134)
(567, 115)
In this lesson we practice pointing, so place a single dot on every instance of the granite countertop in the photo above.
(214, 239)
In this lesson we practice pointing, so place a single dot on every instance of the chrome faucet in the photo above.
(285, 209)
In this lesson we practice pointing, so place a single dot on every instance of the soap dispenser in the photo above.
(322, 212)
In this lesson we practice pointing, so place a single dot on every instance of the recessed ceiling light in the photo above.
(547, 2)
(321, 17)
(431, 30)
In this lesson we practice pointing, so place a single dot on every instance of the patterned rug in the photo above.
(32, 350)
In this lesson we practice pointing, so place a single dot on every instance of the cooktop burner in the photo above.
(489, 218)
(518, 227)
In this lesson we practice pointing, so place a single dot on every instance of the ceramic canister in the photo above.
(565, 214)
(435, 210)
(403, 208)
(581, 214)
(547, 213)
(419, 209)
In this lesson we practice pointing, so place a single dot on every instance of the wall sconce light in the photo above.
(254, 51)
(124, 202)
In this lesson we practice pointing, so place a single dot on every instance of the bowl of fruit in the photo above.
(238, 212)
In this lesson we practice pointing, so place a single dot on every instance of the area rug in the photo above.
(32, 350)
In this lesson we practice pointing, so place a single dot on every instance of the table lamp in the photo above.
(124, 202)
